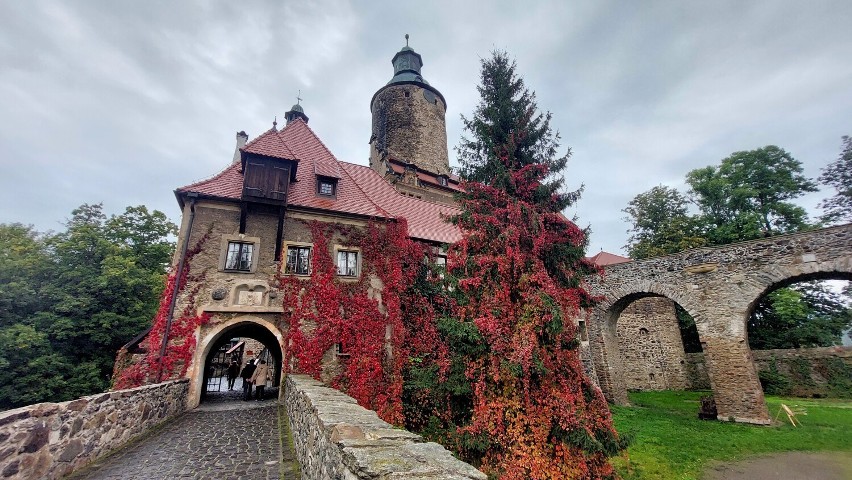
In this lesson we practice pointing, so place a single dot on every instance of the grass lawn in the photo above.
(669, 441)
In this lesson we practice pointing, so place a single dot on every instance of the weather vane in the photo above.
(299, 97)
(275, 121)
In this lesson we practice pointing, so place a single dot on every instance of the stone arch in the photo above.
(779, 277)
(215, 334)
(607, 354)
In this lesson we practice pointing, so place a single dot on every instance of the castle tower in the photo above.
(409, 129)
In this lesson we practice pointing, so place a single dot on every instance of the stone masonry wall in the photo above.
(784, 360)
(717, 286)
(410, 128)
(336, 438)
(51, 440)
(649, 338)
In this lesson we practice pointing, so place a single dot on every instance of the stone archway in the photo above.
(603, 334)
(212, 336)
(719, 287)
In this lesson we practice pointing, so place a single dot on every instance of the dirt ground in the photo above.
(786, 466)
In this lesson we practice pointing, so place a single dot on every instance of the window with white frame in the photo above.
(298, 260)
(239, 256)
(347, 263)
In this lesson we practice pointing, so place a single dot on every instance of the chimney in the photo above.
(242, 138)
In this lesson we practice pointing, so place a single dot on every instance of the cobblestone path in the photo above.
(223, 439)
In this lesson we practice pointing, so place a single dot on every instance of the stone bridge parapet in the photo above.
(334, 437)
(52, 440)
(719, 287)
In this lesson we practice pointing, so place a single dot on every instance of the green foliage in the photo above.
(806, 315)
(507, 108)
(69, 300)
(773, 381)
(669, 441)
(688, 330)
(747, 196)
(661, 224)
(838, 374)
(838, 174)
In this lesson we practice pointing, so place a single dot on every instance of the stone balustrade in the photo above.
(336, 438)
(51, 440)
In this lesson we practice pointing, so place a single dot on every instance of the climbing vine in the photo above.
(363, 315)
(181, 344)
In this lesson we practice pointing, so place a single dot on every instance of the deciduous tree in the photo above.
(838, 174)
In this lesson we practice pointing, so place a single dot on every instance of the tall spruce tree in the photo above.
(507, 118)
(535, 415)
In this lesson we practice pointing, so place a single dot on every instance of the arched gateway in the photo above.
(215, 334)
(719, 287)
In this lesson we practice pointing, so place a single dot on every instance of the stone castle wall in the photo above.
(651, 346)
(51, 440)
(786, 362)
(410, 127)
(334, 437)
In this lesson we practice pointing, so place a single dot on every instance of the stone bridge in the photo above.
(719, 287)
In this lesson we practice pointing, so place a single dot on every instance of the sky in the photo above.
(121, 102)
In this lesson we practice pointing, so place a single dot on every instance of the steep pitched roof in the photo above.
(269, 143)
(360, 190)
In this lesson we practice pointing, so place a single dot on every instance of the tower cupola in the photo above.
(296, 111)
(409, 127)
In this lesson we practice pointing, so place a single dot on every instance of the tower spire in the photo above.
(296, 111)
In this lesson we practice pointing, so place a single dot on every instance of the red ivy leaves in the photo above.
(182, 341)
(365, 315)
(518, 266)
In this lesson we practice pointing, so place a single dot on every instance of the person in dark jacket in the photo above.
(233, 373)
(246, 374)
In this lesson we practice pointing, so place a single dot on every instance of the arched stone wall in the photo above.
(719, 287)
(210, 335)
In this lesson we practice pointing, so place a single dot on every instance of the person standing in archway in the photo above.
(246, 375)
(259, 379)
(233, 373)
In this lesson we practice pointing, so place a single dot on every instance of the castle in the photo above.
(253, 215)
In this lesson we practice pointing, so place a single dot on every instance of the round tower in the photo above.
(409, 128)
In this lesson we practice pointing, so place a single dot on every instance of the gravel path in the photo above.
(787, 466)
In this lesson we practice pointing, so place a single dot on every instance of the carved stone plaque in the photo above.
(250, 298)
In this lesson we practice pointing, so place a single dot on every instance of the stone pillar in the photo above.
(607, 357)
(734, 380)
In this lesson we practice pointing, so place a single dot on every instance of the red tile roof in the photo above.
(428, 177)
(603, 259)
(270, 144)
(360, 190)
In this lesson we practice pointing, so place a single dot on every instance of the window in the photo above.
(347, 263)
(239, 256)
(442, 180)
(339, 350)
(581, 330)
(298, 260)
(326, 186)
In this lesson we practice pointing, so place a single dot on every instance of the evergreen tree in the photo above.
(507, 118)
(517, 271)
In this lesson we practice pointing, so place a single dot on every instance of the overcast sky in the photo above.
(121, 102)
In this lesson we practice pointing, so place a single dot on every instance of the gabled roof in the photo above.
(603, 259)
(269, 143)
(360, 190)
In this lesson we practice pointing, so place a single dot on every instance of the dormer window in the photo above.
(442, 180)
(326, 186)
